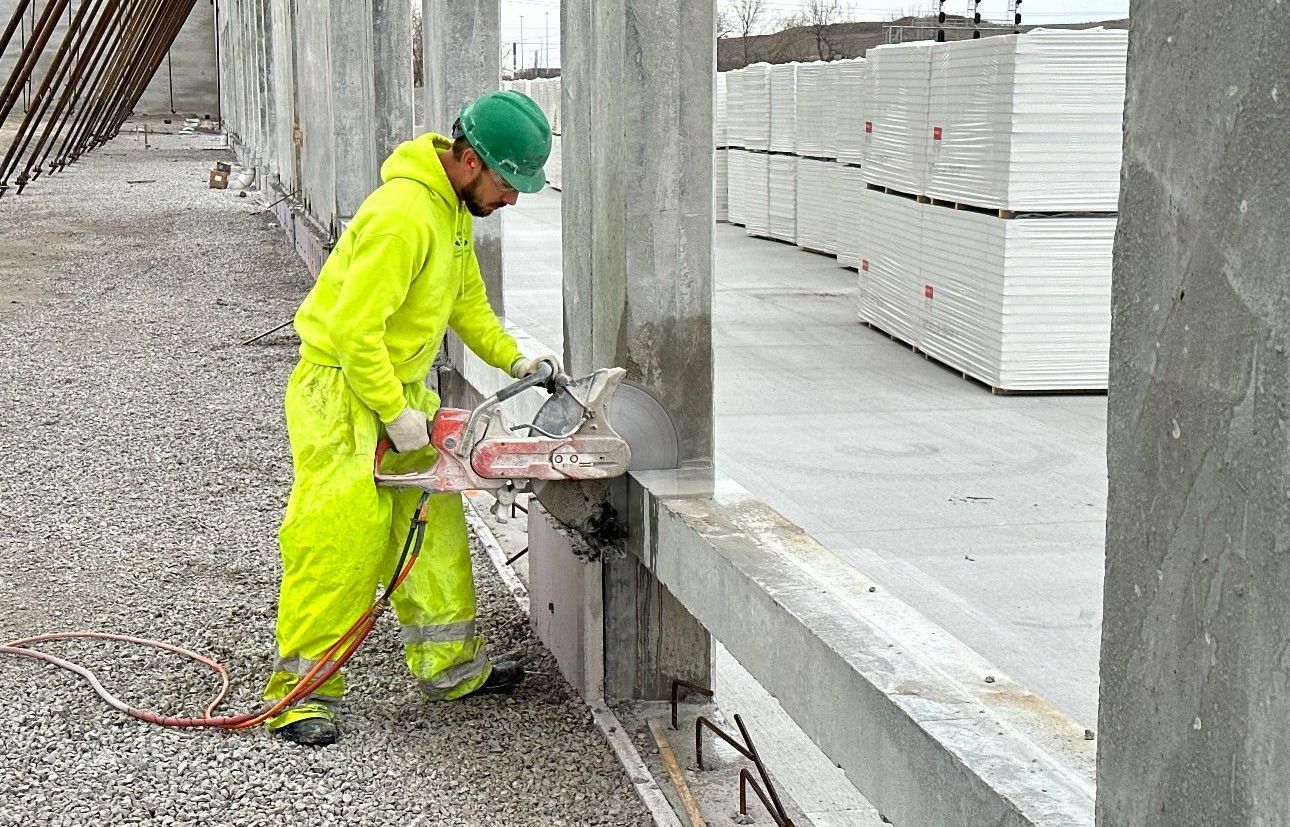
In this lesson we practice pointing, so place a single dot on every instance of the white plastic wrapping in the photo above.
(737, 186)
(850, 109)
(849, 222)
(755, 107)
(1021, 304)
(783, 107)
(890, 263)
(757, 183)
(720, 127)
(721, 185)
(899, 89)
(816, 120)
(1029, 122)
(782, 190)
(545, 92)
(555, 165)
(735, 115)
(818, 183)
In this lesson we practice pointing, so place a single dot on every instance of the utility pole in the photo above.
(521, 38)
(546, 42)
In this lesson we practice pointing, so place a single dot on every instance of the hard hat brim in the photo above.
(525, 183)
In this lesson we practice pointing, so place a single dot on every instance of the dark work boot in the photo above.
(315, 730)
(506, 675)
(311, 732)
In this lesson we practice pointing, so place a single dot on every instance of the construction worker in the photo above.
(402, 273)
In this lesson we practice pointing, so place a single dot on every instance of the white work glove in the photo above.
(410, 431)
(527, 367)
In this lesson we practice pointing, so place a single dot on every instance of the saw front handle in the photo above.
(453, 473)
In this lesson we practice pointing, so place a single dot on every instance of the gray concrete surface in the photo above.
(145, 470)
(985, 513)
(1195, 716)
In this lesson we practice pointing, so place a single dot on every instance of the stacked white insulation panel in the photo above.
(756, 191)
(782, 192)
(899, 90)
(816, 123)
(735, 116)
(1029, 122)
(783, 107)
(1020, 304)
(721, 185)
(555, 165)
(754, 107)
(818, 185)
(850, 109)
(890, 264)
(721, 157)
(737, 184)
(849, 222)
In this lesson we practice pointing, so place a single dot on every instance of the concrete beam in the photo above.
(1195, 676)
(463, 61)
(924, 728)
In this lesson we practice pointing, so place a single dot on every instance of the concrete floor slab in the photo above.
(880, 453)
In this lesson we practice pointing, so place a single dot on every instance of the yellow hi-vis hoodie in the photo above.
(402, 273)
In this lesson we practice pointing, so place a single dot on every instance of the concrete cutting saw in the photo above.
(587, 433)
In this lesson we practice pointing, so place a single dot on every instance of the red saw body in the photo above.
(568, 447)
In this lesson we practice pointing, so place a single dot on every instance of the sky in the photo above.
(534, 16)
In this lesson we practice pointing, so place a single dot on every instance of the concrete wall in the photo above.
(189, 76)
(192, 63)
(1195, 677)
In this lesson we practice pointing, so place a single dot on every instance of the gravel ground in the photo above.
(144, 471)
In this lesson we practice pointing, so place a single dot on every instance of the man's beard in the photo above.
(470, 197)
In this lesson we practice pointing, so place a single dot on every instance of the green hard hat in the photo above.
(511, 134)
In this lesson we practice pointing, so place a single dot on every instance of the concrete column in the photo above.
(283, 23)
(638, 78)
(352, 53)
(462, 61)
(392, 24)
(1195, 675)
(266, 114)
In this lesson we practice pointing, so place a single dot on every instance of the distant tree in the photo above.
(747, 16)
(817, 16)
(726, 25)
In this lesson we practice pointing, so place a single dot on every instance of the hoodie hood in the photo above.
(418, 160)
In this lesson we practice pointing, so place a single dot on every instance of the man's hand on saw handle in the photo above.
(410, 431)
(525, 367)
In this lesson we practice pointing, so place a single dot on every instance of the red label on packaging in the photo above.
(864, 265)
(868, 126)
(936, 133)
(927, 290)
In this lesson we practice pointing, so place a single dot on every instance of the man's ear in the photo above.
(471, 159)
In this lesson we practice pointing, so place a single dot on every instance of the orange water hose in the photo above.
(327, 666)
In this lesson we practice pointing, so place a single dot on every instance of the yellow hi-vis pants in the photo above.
(341, 539)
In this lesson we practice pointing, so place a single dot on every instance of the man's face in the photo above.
(487, 192)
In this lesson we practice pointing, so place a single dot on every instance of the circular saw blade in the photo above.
(646, 427)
